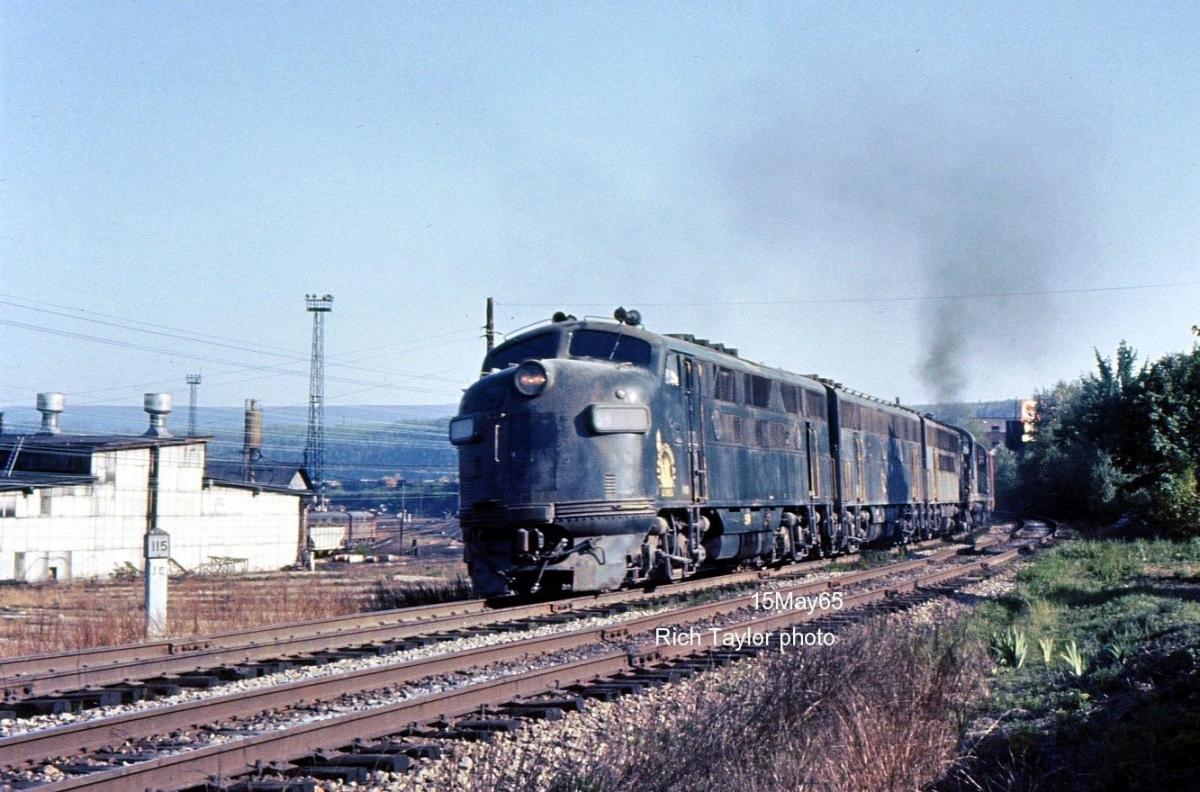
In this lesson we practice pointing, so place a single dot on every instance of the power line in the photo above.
(203, 358)
(240, 346)
(881, 299)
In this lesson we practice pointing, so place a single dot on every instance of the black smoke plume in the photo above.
(988, 201)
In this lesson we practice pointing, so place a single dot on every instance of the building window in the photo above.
(46, 504)
(8, 506)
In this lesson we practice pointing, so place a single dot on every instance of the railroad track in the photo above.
(158, 764)
(73, 681)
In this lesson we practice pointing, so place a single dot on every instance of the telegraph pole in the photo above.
(489, 329)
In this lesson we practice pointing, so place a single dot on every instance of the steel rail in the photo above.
(42, 675)
(14, 669)
(238, 757)
(199, 655)
(39, 746)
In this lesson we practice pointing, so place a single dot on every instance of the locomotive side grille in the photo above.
(580, 509)
(610, 485)
(492, 512)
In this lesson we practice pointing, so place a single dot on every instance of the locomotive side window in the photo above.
(724, 387)
(906, 429)
(758, 390)
(603, 345)
(815, 405)
(534, 347)
(791, 397)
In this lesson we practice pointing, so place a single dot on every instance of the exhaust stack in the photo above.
(50, 405)
(158, 405)
(252, 439)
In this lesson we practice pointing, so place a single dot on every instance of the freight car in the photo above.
(332, 531)
(595, 454)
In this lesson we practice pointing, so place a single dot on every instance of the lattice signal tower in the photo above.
(314, 446)
(193, 381)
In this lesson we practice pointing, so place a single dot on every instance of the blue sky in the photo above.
(743, 172)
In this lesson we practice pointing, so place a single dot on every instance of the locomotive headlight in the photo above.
(611, 418)
(463, 430)
(531, 378)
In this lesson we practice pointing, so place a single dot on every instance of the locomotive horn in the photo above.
(630, 317)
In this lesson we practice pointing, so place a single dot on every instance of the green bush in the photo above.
(1074, 659)
(1009, 647)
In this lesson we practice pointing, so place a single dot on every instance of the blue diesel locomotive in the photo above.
(595, 454)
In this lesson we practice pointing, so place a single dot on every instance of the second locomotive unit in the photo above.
(595, 454)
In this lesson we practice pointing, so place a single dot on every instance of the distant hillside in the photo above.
(362, 441)
(960, 411)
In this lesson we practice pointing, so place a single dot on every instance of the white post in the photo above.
(157, 551)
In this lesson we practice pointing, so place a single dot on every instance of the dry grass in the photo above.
(882, 710)
(59, 617)
(390, 594)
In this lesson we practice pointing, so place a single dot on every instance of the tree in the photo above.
(1121, 440)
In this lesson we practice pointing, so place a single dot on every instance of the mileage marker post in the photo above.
(157, 551)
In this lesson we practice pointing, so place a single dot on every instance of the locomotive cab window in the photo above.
(673, 369)
(604, 345)
(534, 347)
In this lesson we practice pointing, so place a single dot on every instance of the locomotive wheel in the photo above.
(826, 539)
(782, 552)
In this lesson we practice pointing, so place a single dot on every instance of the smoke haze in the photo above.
(919, 204)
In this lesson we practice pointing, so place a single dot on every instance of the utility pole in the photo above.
(489, 329)
(314, 446)
(193, 381)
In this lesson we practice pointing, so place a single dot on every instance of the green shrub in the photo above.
(1009, 647)
(1074, 659)
(1047, 647)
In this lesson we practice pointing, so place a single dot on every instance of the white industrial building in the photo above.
(78, 506)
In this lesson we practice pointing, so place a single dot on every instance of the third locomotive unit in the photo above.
(595, 454)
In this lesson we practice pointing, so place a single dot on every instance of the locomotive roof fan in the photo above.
(631, 317)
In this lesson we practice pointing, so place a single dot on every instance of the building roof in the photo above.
(340, 516)
(267, 475)
(22, 480)
(90, 442)
(71, 454)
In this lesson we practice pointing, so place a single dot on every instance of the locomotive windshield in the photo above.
(605, 345)
(534, 347)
